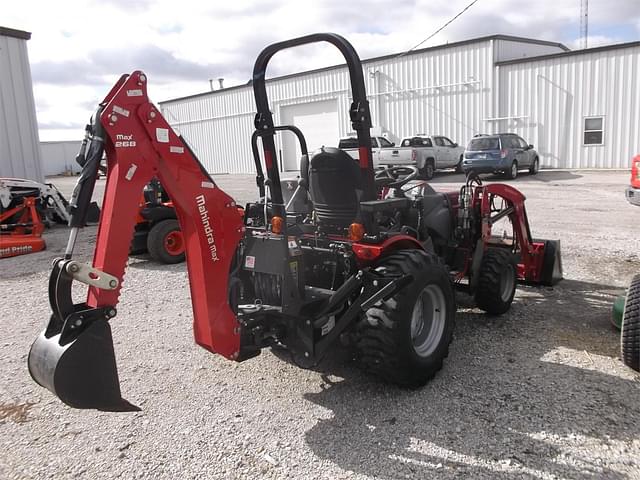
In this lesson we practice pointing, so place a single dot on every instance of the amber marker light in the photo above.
(276, 224)
(356, 232)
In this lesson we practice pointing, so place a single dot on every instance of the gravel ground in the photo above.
(537, 393)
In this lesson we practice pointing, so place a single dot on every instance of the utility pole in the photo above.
(584, 23)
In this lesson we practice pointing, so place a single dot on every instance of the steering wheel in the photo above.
(395, 176)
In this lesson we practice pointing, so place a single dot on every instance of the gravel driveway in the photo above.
(537, 393)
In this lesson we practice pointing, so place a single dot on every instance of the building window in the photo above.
(593, 130)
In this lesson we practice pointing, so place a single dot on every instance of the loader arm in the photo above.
(74, 356)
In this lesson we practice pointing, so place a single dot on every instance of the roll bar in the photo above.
(256, 155)
(359, 112)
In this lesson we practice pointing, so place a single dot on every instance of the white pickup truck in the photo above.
(428, 153)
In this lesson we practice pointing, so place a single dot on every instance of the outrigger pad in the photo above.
(82, 372)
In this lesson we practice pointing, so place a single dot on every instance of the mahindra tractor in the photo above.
(338, 255)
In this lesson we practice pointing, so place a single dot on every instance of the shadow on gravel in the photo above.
(507, 403)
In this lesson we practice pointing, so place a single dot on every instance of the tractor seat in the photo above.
(334, 186)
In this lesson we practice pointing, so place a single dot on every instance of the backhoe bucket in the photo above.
(82, 371)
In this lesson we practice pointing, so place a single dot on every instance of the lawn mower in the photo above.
(157, 230)
(368, 261)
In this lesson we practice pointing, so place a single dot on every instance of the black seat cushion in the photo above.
(334, 186)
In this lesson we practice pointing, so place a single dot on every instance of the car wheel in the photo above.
(512, 173)
(459, 166)
(428, 170)
(535, 166)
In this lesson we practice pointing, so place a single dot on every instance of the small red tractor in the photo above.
(157, 230)
(368, 261)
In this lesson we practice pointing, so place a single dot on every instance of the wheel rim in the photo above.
(514, 170)
(174, 242)
(507, 282)
(429, 170)
(428, 320)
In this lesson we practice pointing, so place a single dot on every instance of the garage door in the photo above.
(319, 124)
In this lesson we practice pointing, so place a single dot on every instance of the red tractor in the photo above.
(371, 262)
(157, 231)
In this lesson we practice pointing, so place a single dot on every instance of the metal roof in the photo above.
(604, 48)
(388, 57)
(10, 32)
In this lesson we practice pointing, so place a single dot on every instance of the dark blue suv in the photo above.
(504, 153)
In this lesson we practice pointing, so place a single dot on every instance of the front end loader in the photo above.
(348, 257)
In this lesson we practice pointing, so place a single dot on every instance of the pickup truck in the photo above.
(428, 153)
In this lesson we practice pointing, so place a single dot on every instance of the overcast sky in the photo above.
(79, 48)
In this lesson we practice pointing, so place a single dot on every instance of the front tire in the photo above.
(630, 335)
(165, 242)
(405, 339)
(497, 281)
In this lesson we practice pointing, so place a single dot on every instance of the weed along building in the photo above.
(580, 109)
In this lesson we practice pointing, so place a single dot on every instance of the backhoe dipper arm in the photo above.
(141, 145)
(74, 356)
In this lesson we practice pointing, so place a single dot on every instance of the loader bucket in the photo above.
(81, 372)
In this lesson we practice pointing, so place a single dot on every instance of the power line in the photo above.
(440, 29)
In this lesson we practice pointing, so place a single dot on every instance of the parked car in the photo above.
(633, 190)
(427, 153)
(503, 153)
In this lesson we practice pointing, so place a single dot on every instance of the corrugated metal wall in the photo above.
(218, 126)
(60, 157)
(553, 96)
(19, 143)
(447, 91)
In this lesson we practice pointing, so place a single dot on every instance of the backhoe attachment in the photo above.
(74, 356)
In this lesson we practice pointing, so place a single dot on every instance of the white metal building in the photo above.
(535, 88)
(59, 158)
(19, 143)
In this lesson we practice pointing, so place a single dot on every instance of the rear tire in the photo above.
(512, 173)
(535, 166)
(405, 339)
(459, 166)
(630, 335)
(428, 171)
(165, 242)
(497, 281)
